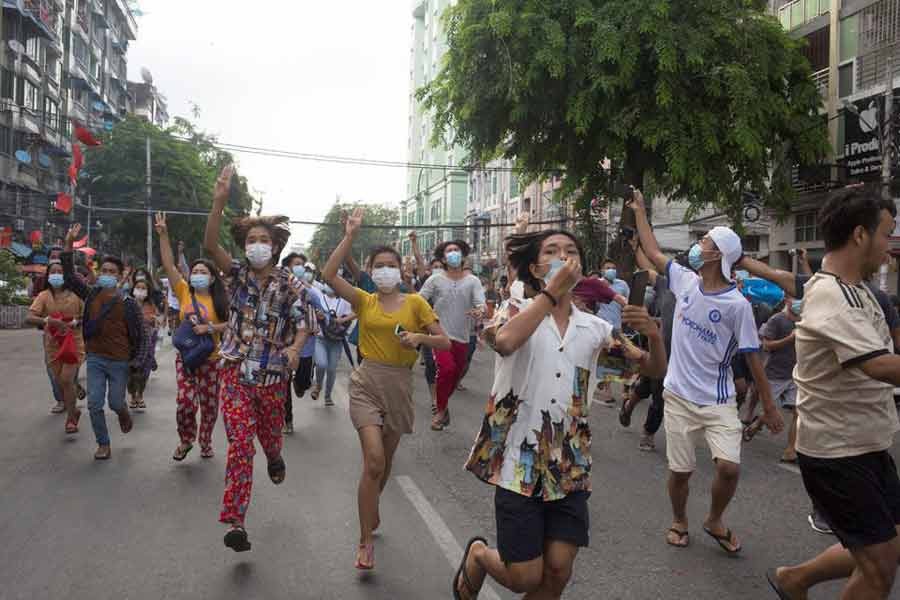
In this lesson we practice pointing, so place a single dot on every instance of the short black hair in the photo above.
(848, 209)
(114, 260)
(610, 261)
(286, 261)
(440, 249)
(384, 250)
(523, 250)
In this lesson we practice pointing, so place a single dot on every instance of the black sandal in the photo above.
(682, 535)
(184, 449)
(236, 539)
(461, 572)
(277, 470)
(724, 539)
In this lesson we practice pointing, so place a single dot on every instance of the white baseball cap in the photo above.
(311, 267)
(729, 244)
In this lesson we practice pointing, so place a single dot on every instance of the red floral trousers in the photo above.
(197, 389)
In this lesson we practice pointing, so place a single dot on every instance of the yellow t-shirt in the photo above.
(204, 302)
(378, 339)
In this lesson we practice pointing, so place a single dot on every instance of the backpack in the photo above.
(331, 329)
(194, 349)
(91, 327)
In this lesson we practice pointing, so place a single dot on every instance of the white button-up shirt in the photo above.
(536, 430)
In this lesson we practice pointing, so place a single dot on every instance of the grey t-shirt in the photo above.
(665, 308)
(452, 299)
(780, 366)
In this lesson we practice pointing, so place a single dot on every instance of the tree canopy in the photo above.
(328, 236)
(703, 99)
(184, 165)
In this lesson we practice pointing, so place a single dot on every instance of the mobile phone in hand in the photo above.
(639, 282)
(398, 330)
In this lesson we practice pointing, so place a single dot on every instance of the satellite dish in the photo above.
(44, 160)
(98, 105)
(23, 157)
(16, 46)
(146, 75)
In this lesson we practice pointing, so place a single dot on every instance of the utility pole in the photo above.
(149, 214)
(887, 124)
(90, 207)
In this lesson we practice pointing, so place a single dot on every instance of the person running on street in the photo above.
(198, 388)
(260, 348)
(611, 312)
(712, 322)
(138, 374)
(330, 342)
(59, 311)
(457, 298)
(846, 371)
(301, 379)
(392, 326)
(534, 442)
(113, 331)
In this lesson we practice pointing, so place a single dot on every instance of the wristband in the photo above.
(550, 297)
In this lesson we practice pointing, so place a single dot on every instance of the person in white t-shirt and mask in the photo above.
(712, 323)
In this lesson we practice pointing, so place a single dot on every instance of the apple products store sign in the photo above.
(862, 148)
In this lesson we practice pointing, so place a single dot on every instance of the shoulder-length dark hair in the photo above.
(278, 226)
(441, 248)
(384, 250)
(217, 288)
(523, 250)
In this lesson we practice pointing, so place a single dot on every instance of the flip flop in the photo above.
(682, 535)
(370, 558)
(752, 429)
(236, 539)
(180, 456)
(773, 581)
(624, 416)
(461, 572)
(722, 540)
(277, 470)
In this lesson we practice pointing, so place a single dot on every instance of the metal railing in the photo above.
(821, 79)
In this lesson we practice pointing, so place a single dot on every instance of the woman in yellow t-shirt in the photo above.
(392, 325)
(198, 387)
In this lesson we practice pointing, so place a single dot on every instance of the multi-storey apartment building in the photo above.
(853, 47)
(62, 61)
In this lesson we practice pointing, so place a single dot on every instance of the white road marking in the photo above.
(442, 534)
(790, 467)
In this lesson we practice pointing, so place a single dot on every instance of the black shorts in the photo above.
(525, 523)
(859, 496)
(646, 387)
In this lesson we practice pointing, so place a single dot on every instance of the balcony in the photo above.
(820, 79)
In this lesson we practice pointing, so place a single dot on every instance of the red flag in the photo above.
(63, 202)
(80, 243)
(77, 157)
(87, 251)
(85, 137)
(73, 174)
(6, 234)
(36, 237)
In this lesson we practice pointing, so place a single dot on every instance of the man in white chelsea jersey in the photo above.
(712, 323)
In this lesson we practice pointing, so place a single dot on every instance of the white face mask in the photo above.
(386, 278)
(259, 255)
(140, 294)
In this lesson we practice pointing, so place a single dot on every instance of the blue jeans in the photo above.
(57, 393)
(106, 380)
(328, 354)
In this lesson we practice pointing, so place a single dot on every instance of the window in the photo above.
(750, 243)
(51, 113)
(7, 83)
(5, 139)
(20, 90)
(513, 185)
(845, 80)
(849, 40)
(33, 49)
(806, 228)
(32, 97)
(19, 141)
(54, 71)
(80, 50)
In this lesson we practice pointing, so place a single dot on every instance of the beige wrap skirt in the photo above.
(382, 395)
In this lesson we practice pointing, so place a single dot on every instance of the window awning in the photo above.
(20, 249)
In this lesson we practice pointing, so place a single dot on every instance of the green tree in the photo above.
(378, 230)
(184, 165)
(11, 279)
(700, 100)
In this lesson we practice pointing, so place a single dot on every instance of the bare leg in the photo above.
(876, 567)
(791, 451)
(679, 489)
(520, 578)
(65, 377)
(370, 439)
(835, 563)
(723, 487)
(558, 560)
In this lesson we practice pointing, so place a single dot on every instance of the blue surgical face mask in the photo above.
(695, 257)
(56, 280)
(309, 276)
(454, 258)
(555, 265)
(299, 271)
(200, 282)
(107, 281)
(797, 307)
(610, 274)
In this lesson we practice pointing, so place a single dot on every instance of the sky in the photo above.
(307, 76)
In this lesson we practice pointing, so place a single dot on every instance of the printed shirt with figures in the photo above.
(707, 331)
(535, 434)
(262, 323)
(206, 305)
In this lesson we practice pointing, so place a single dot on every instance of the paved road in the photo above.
(141, 526)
